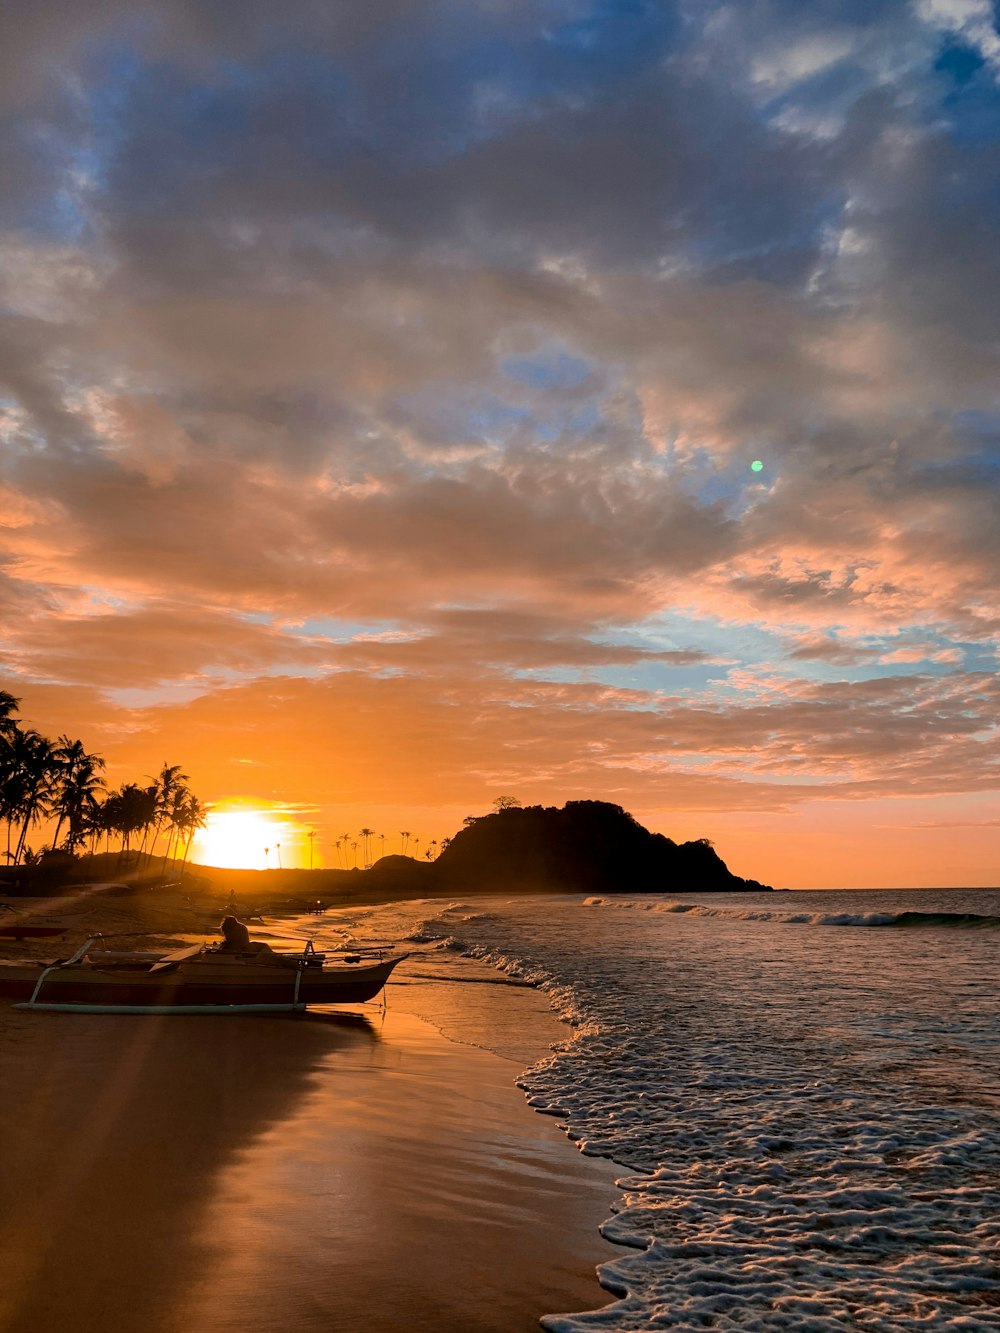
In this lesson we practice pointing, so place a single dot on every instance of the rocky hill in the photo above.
(582, 847)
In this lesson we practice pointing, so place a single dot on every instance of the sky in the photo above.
(411, 403)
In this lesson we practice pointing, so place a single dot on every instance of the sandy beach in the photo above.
(354, 1170)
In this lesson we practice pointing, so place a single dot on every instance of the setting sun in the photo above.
(249, 838)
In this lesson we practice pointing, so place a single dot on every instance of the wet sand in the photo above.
(336, 1171)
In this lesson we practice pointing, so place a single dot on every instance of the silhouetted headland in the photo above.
(584, 847)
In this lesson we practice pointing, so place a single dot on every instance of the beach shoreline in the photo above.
(338, 1170)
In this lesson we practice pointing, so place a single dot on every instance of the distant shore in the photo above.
(175, 913)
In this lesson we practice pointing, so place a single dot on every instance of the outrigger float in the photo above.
(195, 980)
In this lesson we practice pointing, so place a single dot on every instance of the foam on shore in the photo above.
(811, 1131)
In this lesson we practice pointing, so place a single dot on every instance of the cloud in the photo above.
(402, 736)
(418, 354)
(827, 648)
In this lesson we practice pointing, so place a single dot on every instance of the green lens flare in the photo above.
(756, 466)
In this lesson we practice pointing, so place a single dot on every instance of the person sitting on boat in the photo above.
(236, 939)
(235, 936)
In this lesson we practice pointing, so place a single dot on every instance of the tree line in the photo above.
(347, 848)
(60, 781)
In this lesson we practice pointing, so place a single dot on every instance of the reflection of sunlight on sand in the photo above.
(411, 1188)
(56, 1193)
(66, 908)
(113, 1132)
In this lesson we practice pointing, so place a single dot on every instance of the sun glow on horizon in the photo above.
(242, 837)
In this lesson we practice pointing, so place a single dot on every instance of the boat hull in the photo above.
(18, 932)
(226, 984)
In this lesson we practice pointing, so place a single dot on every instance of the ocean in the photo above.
(802, 1091)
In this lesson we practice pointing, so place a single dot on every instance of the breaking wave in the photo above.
(899, 919)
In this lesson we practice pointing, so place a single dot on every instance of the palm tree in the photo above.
(10, 783)
(132, 808)
(78, 781)
(8, 707)
(176, 821)
(31, 777)
(354, 849)
(97, 826)
(168, 785)
(81, 802)
(338, 844)
(190, 817)
(382, 840)
(365, 835)
(405, 835)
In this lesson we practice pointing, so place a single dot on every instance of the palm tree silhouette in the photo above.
(405, 835)
(365, 835)
(190, 816)
(133, 808)
(30, 782)
(77, 783)
(178, 823)
(168, 786)
(8, 707)
(100, 824)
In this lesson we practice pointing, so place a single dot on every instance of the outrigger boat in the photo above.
(29, 930)
(195, 980)
(13, 926)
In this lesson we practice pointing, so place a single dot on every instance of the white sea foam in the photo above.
(811, 1132)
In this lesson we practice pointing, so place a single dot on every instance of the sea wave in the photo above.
(900, 919)
(787, 1168)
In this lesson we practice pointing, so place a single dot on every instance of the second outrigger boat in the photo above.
(14, 926)
(195, 980)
